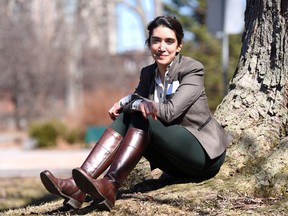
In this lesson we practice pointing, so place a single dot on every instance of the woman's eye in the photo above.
(170, 41)
(155, 40)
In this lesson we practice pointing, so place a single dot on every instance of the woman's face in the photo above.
(164, 46)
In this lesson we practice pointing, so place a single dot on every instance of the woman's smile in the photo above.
(161, 55)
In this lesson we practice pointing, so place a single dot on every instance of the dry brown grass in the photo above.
(217, 196)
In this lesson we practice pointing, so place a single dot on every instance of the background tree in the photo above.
(201, 45)
(28, 62)
(64, 60)
(46, 52)
(255, 109)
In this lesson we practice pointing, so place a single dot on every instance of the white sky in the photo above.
(130, 33)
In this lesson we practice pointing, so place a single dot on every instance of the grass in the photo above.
(27, 196)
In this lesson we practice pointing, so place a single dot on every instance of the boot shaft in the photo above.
(128, 155)
(102, 153)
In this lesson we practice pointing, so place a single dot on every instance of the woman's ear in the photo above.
(179, 48)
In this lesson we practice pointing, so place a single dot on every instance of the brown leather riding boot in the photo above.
(105, 190)
(65, 188)
(95, 164)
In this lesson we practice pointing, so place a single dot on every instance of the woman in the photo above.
(166, 120)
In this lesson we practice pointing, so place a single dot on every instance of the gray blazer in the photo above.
(188, 105)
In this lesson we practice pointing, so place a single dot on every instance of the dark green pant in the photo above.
(172, 148)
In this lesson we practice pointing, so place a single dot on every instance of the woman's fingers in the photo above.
(114, 111)
(148, 108)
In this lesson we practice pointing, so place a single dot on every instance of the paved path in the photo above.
(21, 162)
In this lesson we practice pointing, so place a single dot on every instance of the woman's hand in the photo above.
(114, 111)
(149, 108)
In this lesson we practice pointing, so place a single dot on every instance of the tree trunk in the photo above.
(255, 109)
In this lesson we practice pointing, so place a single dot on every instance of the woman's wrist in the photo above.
(125, 100)
(136, 105)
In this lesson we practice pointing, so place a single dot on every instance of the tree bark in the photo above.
(255, 109)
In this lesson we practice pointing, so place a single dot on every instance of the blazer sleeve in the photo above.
(143, 89)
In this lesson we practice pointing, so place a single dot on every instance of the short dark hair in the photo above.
(169, 22)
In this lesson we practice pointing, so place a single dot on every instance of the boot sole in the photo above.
(50, 186)
(86, 185)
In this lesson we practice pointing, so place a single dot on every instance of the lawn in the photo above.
(27, 196)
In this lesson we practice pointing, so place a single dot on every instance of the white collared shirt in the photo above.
(159, 88)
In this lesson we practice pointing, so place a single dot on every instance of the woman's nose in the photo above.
(162, 46)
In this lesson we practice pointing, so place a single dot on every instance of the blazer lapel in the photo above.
(174, 68)
(152, 83)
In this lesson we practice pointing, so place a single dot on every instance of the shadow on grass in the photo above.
(145, 186)
(44, 199)
(163, 181)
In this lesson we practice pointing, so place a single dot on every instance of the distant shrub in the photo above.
(46, 133)
(74, 135)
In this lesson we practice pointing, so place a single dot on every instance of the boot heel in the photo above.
(105, 205)
(76, 204)
(73, 203)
